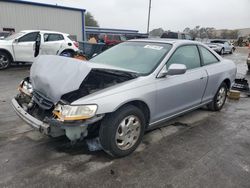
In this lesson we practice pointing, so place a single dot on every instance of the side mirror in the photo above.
(16, 41)
(174, 69)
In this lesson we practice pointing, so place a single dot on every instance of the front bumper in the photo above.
(30, 120)
(51, 127)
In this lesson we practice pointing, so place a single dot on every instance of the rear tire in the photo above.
(222, 51)
(5, 60)
(121, 131)
(219, 98)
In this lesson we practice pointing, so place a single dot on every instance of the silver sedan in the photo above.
(123, 92)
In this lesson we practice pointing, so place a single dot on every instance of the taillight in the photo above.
(76, 44)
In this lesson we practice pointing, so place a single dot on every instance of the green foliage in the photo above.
(90, 20)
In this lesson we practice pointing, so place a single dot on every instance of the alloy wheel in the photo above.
(221, 97)
(4, 61)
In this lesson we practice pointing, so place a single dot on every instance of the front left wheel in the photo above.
(5, 60)
(121, 132)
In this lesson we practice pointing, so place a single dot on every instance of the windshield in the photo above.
(140, 57)
(14, 36)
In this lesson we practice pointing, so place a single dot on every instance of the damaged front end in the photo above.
(45, 98)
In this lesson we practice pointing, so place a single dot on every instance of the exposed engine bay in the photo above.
(96, 81)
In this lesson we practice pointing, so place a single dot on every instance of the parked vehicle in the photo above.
(4, 34)
(111, 39)
(248, 62)
(20, 47)
(176, 35)
(221, 46)
(124, 91)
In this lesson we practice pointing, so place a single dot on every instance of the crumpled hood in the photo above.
(54, 76)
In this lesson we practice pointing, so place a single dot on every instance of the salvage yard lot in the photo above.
(200, 149)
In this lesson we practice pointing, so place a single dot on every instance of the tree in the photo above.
(156, 32)
(90, 20)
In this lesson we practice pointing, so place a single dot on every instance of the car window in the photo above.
(30, 37)
(183, 36)
(170, 35)
(109, 37)
(116, 37)
(208, 57)
(53, 37)
(187, 55)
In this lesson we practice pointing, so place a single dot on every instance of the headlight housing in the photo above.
(71, 113)
(26, 87)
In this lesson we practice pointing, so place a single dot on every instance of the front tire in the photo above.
(5, 60)
(121, 132)
(219, 98)
(222, 51)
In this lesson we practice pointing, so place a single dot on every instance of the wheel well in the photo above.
(9, 54)
(228, 83)
(142, 106)
(68, 50)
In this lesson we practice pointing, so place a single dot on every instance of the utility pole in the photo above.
(149, 12)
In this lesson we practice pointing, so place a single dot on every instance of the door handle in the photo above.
(202, 78)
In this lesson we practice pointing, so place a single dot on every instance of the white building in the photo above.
(21, 15)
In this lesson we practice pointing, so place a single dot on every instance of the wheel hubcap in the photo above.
(3, 61)
(221, 97)
(128, 132)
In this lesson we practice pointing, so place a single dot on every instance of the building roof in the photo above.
(109, 30)
(43, 5)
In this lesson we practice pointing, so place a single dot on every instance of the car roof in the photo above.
(167, 41)
(43, 31)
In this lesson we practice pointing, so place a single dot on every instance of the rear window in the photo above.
(170, 35)
(53, 37)
(218, 41)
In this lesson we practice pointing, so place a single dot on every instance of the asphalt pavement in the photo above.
(199, 149)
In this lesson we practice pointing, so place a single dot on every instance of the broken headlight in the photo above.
(70, 113)
(26, 87)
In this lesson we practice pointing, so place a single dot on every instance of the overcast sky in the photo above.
(169, 14)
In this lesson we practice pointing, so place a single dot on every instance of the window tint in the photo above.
(52, 37)
(187, 55)
(208, 57)
(109, 37)
(116, 37)
(170, 35)
(31, 37)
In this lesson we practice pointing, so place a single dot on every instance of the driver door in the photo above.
(178, 93)
(24, 47)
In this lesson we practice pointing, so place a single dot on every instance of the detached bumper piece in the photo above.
(241, 84)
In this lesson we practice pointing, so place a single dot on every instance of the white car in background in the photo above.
(20, 47)
(221, 46)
